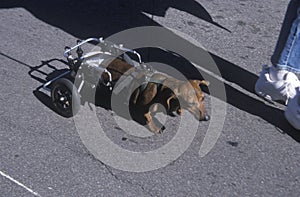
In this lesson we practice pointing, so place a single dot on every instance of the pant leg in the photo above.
(287, 51)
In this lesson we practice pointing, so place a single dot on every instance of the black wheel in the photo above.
(65, 97)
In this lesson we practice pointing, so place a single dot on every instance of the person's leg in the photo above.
(279, 81)
(290, 16)
(290, 61)
(290, 55)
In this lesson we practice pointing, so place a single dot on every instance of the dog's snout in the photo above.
(205, 117)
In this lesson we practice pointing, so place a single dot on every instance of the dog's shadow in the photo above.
(38, 73)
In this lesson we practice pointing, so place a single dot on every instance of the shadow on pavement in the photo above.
(242, 101)
(94, 18)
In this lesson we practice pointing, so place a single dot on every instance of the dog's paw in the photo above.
(179, 111)
(159, 130)
(172, 114)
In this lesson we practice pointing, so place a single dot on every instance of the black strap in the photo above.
(159, 84)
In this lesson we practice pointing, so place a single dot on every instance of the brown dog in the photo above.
(174, 95)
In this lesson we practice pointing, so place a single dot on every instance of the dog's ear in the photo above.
(200, 82)
(203, 82)
(171, 101)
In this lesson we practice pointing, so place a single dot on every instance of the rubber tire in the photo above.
(74, 99)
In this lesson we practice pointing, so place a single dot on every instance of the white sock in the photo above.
(277, 74)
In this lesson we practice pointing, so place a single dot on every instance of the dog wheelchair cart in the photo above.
(87, 69)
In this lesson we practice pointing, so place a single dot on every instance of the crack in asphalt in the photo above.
(108, 169)
(116, 177)
(125, 180)
(79, 154)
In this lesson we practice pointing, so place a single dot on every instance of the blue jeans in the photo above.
(287, 52)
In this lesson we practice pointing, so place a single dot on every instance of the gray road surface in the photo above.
(257, 153)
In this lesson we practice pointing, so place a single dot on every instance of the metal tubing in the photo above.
(100, 40)
(110, 78)
(54, 79)
(81, 84)
(81, 43)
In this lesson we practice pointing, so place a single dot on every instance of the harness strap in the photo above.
(159, 84)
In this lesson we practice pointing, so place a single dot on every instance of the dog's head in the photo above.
(191, 98)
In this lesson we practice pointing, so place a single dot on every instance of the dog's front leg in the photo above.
(151, 125)
(179, 111)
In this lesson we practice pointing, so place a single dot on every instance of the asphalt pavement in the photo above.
(256, 152)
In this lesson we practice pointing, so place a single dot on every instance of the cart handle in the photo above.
(122, 48)
(81, 43)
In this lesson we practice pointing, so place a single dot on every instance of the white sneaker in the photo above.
(280, 90)
(292, 111)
